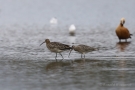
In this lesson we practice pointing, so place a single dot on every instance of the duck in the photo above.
(122, 32)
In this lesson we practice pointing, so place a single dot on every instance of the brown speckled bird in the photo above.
(56, 47)
(82, 49)
(122, 32)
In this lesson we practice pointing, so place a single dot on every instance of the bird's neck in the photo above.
(121, 24)
(47, 43)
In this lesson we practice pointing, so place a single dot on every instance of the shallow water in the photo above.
(71, 74)
(24, 65)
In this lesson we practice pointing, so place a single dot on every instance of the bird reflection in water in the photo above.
(55, 65)
(122, 45)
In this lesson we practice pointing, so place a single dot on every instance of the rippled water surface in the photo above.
(24, 25)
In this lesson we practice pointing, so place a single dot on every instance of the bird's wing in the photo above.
(122, 32)
(126, 32)
(86, 48)
(60, 46)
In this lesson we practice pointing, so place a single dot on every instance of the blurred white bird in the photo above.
(72, 29)
(53, 21)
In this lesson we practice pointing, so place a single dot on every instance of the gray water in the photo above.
(24, 25)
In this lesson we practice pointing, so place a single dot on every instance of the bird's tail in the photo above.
(131, 35)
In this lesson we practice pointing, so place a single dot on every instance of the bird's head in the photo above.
(46, 41)
(122, 21)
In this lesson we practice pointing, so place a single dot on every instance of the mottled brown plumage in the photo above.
(82, 49)
(56, 47)
(122, 32)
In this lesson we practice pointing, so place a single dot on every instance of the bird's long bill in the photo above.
(42, 43)
(70, 52)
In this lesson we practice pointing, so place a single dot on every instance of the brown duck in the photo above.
(122, 32)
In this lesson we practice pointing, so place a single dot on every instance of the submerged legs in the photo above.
(125, 40)
(82, 56)
(56, 56)
(119, 40)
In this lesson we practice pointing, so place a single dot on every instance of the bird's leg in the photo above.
(61, 55)
(84, 55)
(119, 40)
(81, 55)
(56, 56)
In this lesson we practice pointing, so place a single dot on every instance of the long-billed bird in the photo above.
(82, 49)
(56, 47)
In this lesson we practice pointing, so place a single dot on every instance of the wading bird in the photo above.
(56, 47)
(82, 49)
(53, 21)
(72, 29)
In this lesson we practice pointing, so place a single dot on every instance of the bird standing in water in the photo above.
(56, 47)
(72, 29)
(82, 49)
(122, 32)
(53, 21)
